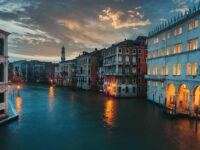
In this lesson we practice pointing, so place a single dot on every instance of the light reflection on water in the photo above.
(110, 113)
(51, 98)
(140, 125)
(18, 103)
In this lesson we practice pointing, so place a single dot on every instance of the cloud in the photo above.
(120, 19)
(181, 9)
(182, 5)
(41, 27)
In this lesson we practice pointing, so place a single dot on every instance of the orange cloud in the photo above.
(119, 19)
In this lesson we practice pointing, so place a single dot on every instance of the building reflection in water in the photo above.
(51, 98)
(18, 103)
(110, 113)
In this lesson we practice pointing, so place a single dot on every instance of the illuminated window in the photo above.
(168, 51)
(174, 69)
(192, 44)
(194, 69)
(163, 37)
(155, 53)
(162, 70)
(167, 69)
(175, 32)
(149, 71)
(189, 27)
(196, 23)
(155, 70)
(178, 69)
(163, 52)
(177, 48)
(155, 84)
(180, 30)
(149, 56)
(156, 40)
(168, 35)
(162, 84)
(188, 69)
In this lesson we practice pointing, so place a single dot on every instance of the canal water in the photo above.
(61, 119)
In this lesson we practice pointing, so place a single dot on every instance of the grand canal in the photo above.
(61, 119)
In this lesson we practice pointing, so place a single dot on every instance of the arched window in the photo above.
(167, 69)
(162, 70)
(194, 69)
(188, 69)
(179, 69)
(149, 72)
(174, 69)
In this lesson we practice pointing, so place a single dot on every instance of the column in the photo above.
(190, 104)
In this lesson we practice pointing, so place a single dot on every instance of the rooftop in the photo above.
(4, 32)
(170, 23)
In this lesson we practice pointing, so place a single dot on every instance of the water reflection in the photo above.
(51, 98)
(110, 113)
(18, 103)
(183, 129)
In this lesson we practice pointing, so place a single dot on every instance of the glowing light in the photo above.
(110, 112)
(51, 98)
(18, 87)
(19, 104)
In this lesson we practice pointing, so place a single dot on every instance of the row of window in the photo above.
(127, 59)
(191, 69)
(113, 52)
(126, 89)
(178, 31)
(155, 83)
(191, 45)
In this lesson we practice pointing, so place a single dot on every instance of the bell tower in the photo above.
(63, 54)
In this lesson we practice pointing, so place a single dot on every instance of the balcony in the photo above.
(155, 77)
(2, 87)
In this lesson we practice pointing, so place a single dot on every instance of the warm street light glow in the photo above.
(51, 98)
(110, 112)
(19, 104)
(18, 87)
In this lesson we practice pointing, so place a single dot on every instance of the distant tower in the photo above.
(63, 54)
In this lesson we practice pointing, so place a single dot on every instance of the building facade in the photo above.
(87, 70)
(174, 63)
(3, 73)
(32, 71)
(124, 68)
(68, 72)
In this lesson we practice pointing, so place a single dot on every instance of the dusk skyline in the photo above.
(39, 28)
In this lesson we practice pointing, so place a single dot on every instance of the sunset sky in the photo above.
(39, 28)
